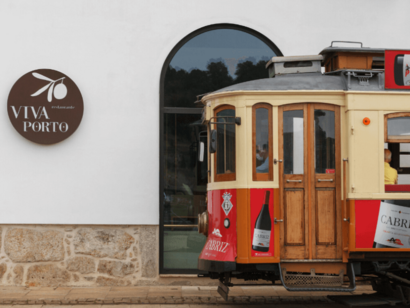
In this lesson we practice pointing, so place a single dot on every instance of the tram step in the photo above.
(303, 280)
(313, 282)
(364, 300)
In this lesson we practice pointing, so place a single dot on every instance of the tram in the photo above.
(309, 174)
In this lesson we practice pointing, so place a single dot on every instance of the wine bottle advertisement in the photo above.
(262, 223)
(382, 224)
(393, 227)
(397, 69)
(221, 241)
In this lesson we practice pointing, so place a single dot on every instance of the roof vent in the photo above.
(294, 65)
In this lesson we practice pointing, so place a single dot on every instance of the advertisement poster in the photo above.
(382, 224)
(393, 227)
(262, 223)
(397, 69)
(221, 241)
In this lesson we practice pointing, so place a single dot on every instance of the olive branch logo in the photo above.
(59, 90)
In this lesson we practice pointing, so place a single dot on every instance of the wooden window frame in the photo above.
(269, 175)
(225, 176)
(391, 116)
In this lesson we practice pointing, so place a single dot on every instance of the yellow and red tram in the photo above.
(296, 179)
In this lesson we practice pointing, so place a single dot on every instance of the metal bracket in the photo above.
(363, 78)
(275, 220)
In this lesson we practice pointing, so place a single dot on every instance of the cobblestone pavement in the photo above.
(169, 296)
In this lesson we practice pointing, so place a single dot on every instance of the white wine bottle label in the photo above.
(393, 226)
(261, 238)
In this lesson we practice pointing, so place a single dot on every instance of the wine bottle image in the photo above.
(402, 70)
(391, 228)
(263, 225)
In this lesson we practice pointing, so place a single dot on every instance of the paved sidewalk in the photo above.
(160, 295)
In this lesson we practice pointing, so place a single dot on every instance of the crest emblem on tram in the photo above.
(227, 204)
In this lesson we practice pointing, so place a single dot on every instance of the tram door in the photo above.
(309, 147)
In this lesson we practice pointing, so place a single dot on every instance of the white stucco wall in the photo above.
(107, 172)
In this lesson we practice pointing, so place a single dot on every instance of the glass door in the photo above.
(293, 175)
(326, 183)
(185, 180)
(309, 147)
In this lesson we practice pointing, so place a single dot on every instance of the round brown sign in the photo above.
(45, 106)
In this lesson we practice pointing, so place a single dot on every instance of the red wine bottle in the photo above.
(263, 225)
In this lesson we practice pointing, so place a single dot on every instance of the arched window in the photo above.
(262, 148)
(208, 59)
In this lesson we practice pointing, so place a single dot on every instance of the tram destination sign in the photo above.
(397, 69)
(45, 106)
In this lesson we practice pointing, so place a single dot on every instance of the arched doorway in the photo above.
(206, 60)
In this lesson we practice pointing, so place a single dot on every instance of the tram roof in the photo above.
(308, 81)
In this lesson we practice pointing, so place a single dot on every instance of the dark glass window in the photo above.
(184, 190)
(225, 153)
(207, 60)
(214, 60)
(324, 141)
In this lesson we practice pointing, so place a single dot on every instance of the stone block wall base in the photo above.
(78, 255)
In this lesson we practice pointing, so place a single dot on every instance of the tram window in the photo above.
(398, 128)
(225, 150)
(400, 161)
(293, 142)
(397, 138)
(324, 141)
(262, 142)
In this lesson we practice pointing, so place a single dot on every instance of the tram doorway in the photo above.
(309, 147)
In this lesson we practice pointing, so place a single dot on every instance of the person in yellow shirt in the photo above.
(390, 174)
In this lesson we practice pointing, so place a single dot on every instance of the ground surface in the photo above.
(158, 296)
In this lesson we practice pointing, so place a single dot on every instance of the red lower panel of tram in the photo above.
(221, 241)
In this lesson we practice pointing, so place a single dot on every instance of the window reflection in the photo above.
(293, 142)
(184, 190)
(324, 141)
(262, 140)
(212, 61)
(398, 128)
(225, 153)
